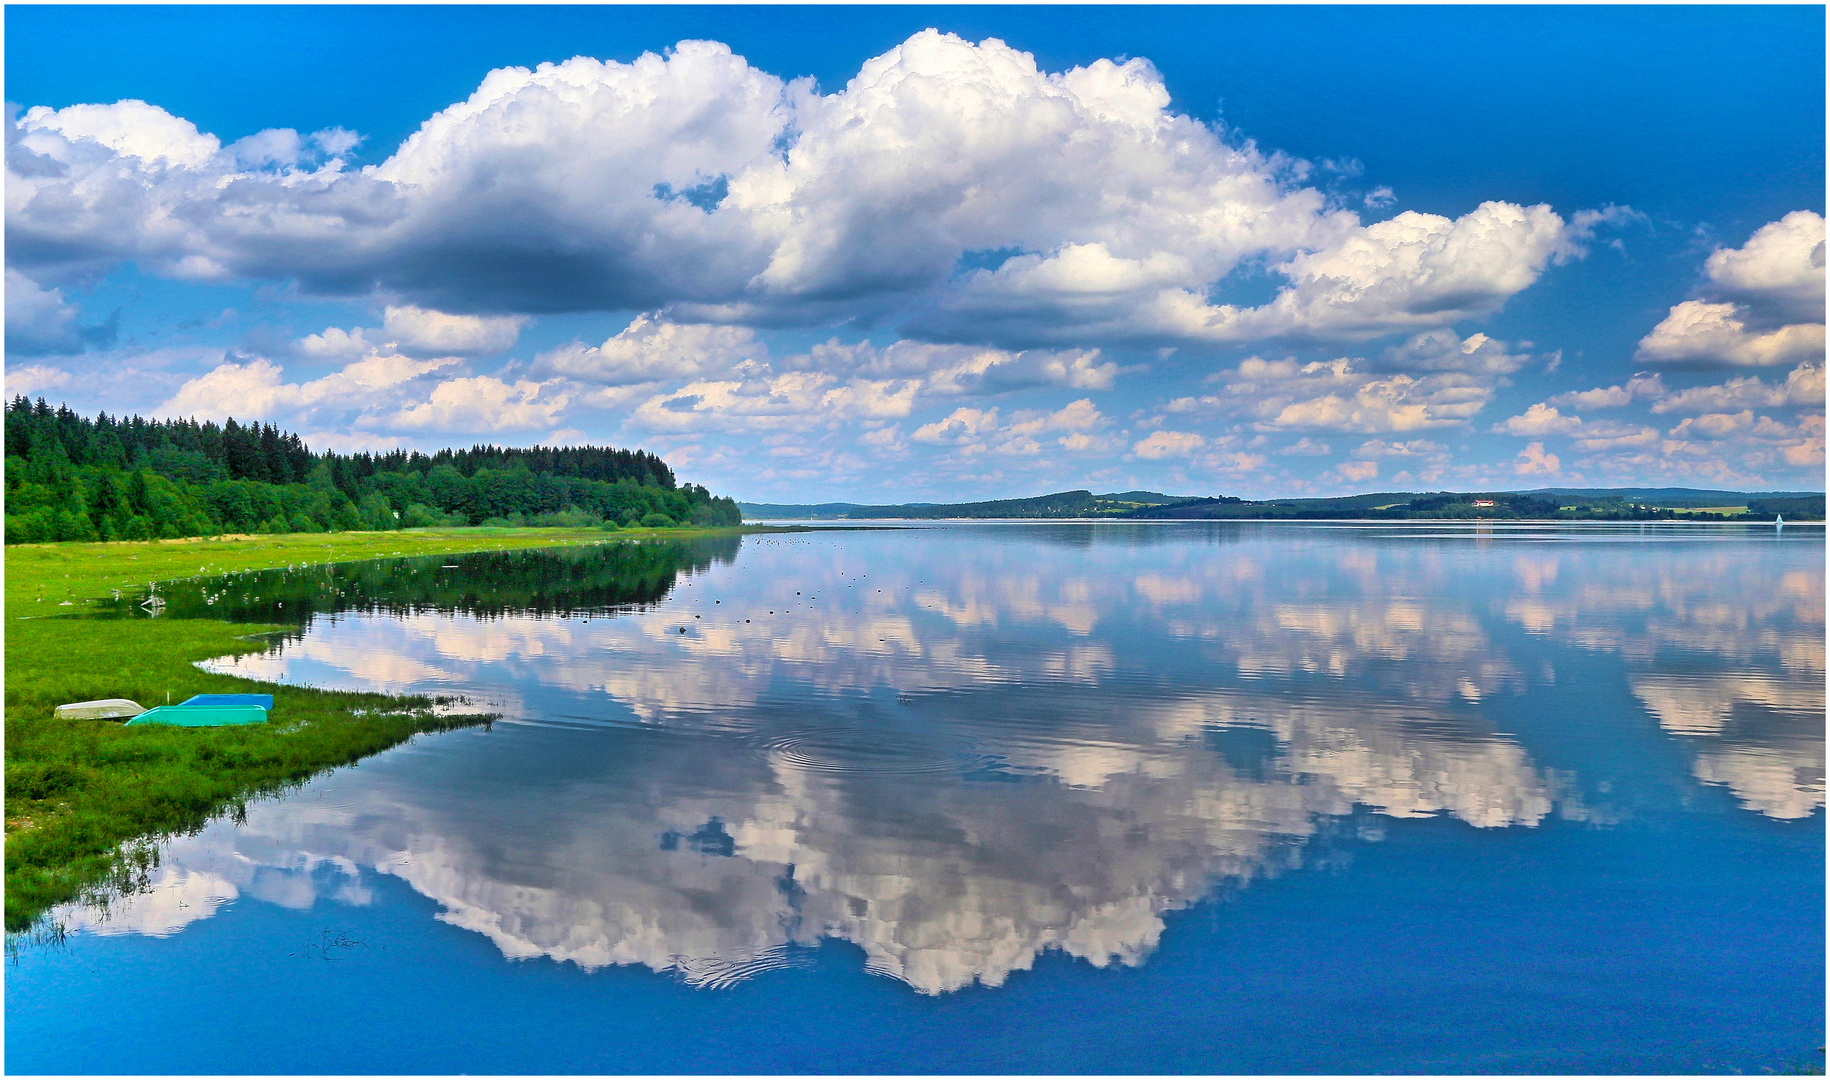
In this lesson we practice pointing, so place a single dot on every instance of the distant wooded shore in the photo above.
(1544, 504)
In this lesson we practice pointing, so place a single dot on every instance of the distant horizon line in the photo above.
(1592, 491)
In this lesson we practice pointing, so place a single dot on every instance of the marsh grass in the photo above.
(87, 800)
(78, 790)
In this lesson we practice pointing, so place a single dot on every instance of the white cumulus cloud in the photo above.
(757, 399)
(129, 128)
(652, 349)
(1534, 461)
(418, 331)
(39, 321)
(1588, 435)
(29, 379)
(1445, 350)
(1782, 263)
(1341, 395)
(485, 403)
(1803, 388)
(1540, 419)
(1771, 306)
(1166, 444)
(255, 388)
(1704, 333)
(957, 190)
(1637, 388)
(961, 426)
(1356, 472)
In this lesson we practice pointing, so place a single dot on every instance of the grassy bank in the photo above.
(79, 792)
(40, 577)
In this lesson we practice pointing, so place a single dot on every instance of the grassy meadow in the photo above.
(85, 799)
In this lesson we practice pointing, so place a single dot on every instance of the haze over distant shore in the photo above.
(1555, 504)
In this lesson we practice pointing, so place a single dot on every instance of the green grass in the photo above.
(85, 800)
(40, 577)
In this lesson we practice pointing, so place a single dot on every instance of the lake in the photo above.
(1010, 797)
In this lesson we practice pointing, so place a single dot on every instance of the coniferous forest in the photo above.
(69, 477)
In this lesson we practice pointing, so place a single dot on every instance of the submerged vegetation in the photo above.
(73, 478)
(79, 793)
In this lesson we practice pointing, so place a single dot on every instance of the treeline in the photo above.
(1809, 507)
(201, 451)
(69, 477)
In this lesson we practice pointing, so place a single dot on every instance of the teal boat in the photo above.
(265, 701)
(202, 715)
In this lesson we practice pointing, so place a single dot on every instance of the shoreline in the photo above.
(892, 522)
(87, 802)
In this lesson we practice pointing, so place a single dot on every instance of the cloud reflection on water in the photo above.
(1724, 652)
(966, 752)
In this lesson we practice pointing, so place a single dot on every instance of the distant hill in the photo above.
(1609, 504)
(1677, 496)
(1565, 504)
(796, 511)
(1063, 504)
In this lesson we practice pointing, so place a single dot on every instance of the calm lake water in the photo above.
(1199, 797)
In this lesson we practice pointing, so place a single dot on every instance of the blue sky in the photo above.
(937, 253)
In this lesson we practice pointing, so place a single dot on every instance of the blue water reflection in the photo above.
(952, 756)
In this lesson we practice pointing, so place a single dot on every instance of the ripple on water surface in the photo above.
(863, 751)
